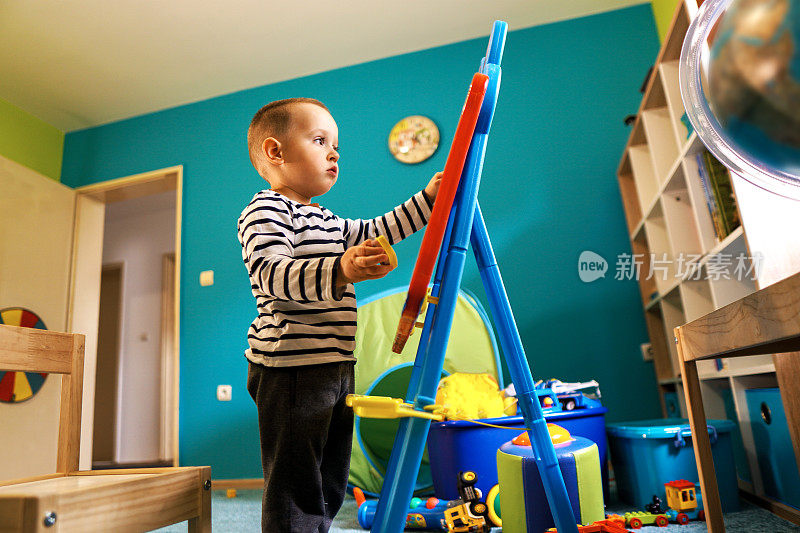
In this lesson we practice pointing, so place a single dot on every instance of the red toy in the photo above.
(600, 526)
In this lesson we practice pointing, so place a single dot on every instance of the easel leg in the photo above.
(702, 444)
(409, 445)
(517, 362)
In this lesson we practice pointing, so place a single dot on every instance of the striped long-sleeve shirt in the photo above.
(292, 252)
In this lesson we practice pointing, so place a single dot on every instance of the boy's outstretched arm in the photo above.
(397, 224)
(432, 189)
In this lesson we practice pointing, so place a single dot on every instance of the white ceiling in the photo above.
(80, 63)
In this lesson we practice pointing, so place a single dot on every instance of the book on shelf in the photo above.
(715, 179)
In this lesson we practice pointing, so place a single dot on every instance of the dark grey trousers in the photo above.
(306, 439)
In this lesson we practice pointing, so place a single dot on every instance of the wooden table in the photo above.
(764, 322)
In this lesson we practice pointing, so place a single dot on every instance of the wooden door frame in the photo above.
(157, 181)
(166, 354)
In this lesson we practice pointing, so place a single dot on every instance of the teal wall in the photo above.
(549, 192)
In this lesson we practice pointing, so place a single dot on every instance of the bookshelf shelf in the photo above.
(674, 316)
(637, 231)
(705, 226)
(643, 175)
(697, 298)
(699, 239)
(669, 77)
(661, 140)
(678, 212)
(759, 364)
(727, 242)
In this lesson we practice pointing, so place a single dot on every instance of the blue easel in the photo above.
(466, 225)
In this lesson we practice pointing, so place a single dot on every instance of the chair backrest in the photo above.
(38, 350)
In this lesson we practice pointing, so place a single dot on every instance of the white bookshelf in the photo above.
(692, 270)
(668, 218)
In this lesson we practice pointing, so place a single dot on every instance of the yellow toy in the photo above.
(385, 407)
(684, 502)
(384, 242)
(469, 396)
(681, 495)
(460, 396)
(468, 514)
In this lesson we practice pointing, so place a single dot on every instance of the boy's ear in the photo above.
(271, 148)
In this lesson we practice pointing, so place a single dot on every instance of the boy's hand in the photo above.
(365, 261)
(432, 189)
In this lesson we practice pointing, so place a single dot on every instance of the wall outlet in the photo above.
(647, 351)
(206, 278)
(224, 393)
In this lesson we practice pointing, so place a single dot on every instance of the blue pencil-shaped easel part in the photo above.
(517, 362)
(464, 225)
(437, 282)
(409, 444)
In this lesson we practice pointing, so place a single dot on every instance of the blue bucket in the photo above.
(459, 445)
(649, 453)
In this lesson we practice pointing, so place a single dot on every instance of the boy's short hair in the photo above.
(272, 120)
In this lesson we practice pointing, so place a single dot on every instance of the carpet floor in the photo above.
(242, 514)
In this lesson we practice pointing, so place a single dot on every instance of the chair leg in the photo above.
(702, 444)
(202, 522)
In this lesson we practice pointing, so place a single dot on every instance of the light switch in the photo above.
(206, 278)
(647, 351)
(224, 393)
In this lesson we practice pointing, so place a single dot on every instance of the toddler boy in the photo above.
(303, 261)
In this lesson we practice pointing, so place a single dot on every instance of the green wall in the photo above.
(30, 141)
(549, 192)
(663, 11)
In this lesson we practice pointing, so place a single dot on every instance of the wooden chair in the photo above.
(83, 501)
(764, 322)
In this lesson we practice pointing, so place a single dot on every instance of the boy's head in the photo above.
(293, 144)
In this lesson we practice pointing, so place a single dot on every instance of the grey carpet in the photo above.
(242, 514)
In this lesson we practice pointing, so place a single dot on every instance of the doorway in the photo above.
(108, 342)
(131, 417)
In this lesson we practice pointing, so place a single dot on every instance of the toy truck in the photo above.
(637, 519)
(684, 501)
(468, 514)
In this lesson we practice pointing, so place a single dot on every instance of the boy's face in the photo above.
(310, 155)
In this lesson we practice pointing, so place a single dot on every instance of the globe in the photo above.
(742, 93)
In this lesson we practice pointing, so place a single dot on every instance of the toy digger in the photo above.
(468, 514)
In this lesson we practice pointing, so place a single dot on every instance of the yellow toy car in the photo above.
(468, 514)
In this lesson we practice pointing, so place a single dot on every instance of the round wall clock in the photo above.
(413, 139)
(16, 387)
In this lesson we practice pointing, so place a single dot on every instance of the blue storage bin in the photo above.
(776, 459)
(458, 445)
(648, 453)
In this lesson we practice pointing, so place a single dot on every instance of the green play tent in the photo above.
(380, 372)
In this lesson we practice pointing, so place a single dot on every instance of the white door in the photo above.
(36, 238)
